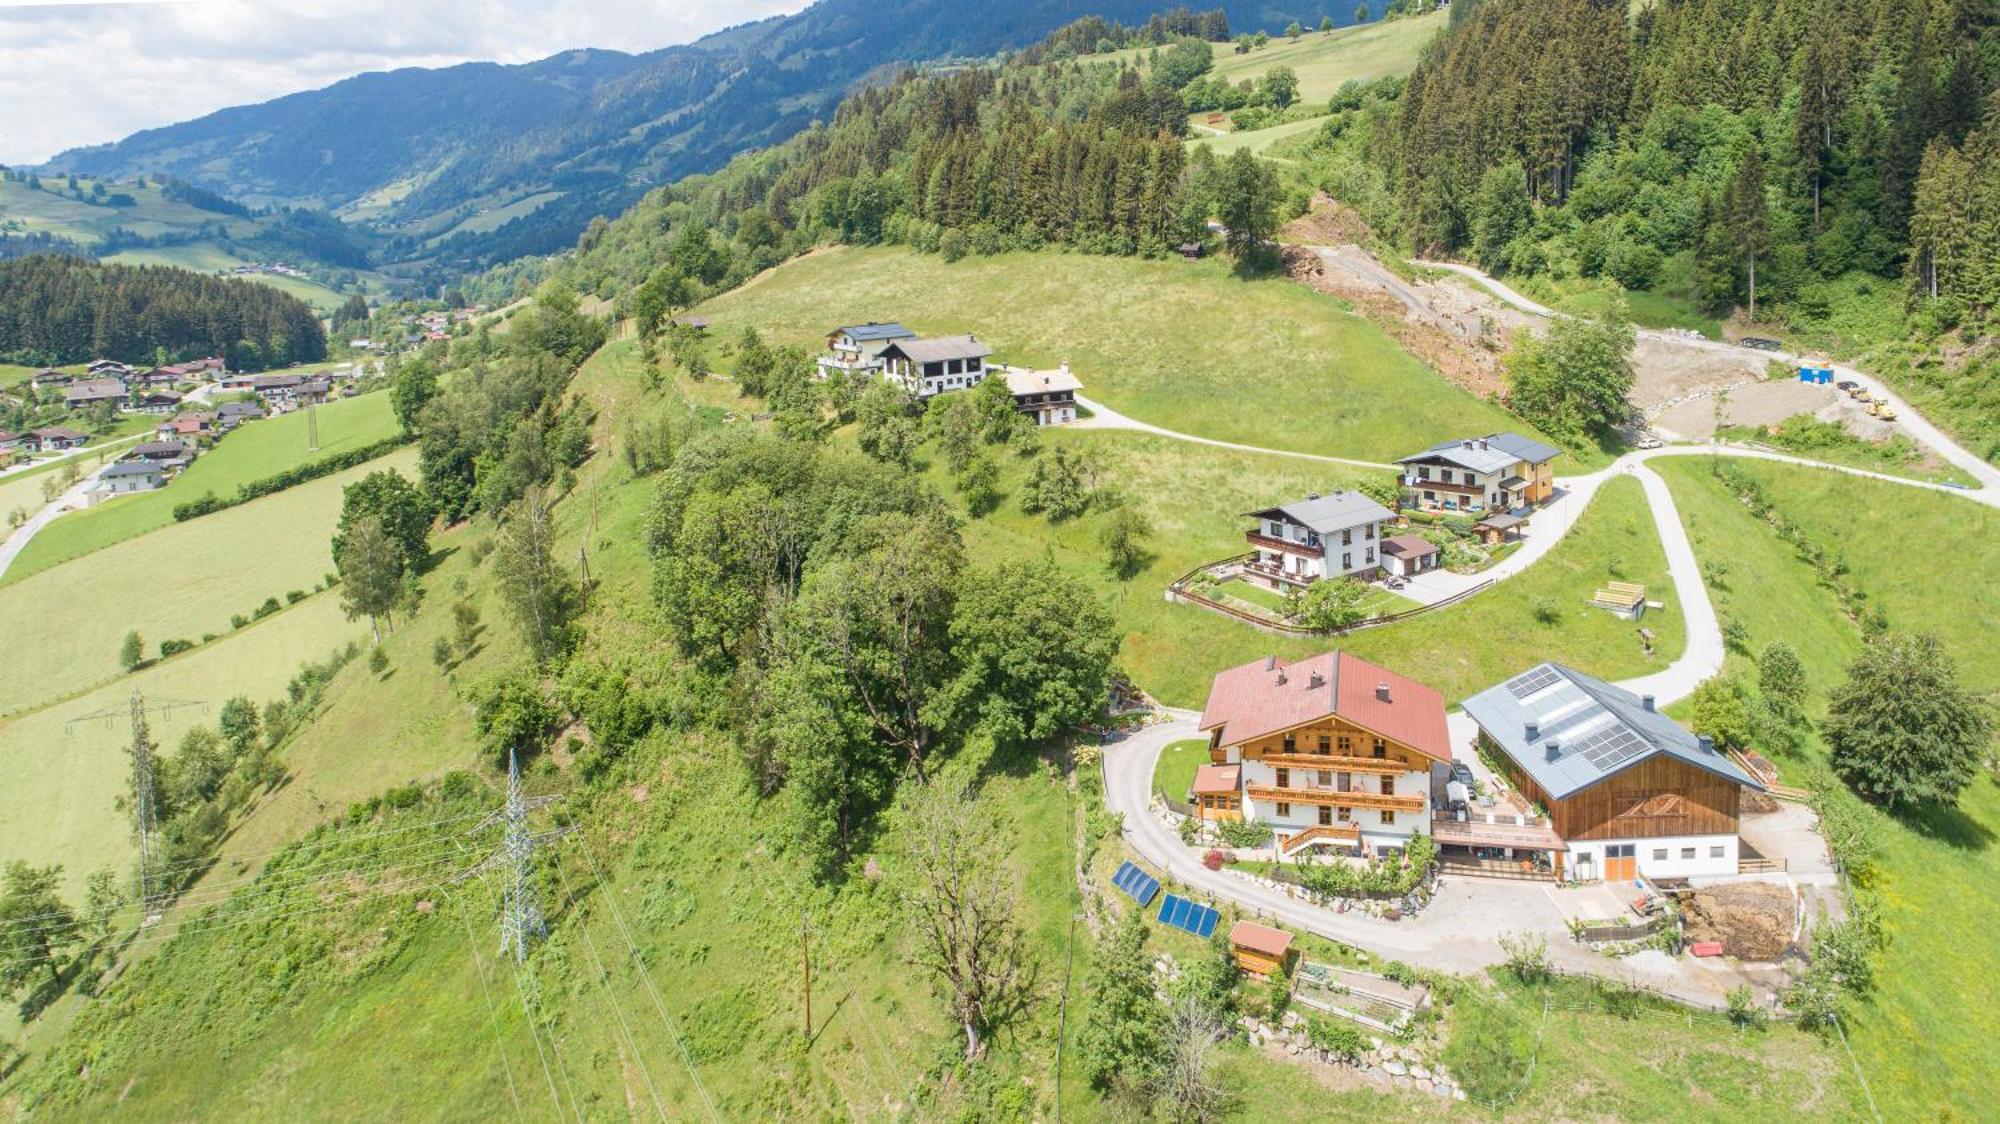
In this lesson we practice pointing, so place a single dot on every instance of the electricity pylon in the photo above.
(145, 777)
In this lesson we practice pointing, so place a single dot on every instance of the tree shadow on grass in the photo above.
(1951, 826)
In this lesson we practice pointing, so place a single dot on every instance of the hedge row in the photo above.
(209, 503)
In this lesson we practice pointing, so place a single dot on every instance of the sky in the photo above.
(75, 73)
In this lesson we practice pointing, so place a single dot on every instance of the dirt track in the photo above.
(1462, 330)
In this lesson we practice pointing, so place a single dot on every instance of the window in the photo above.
(1343, 814)
(1291, 743)
(1368, 532)
(1284, 809)
(1388, 818)
(1715, 852)
(1659, 854)
(1381, 748)
(1347, 561)
(1325, 744)
(1423, 472)
(1277, 530)
(1368, 556)
(1284, 778)
(1388, 786)
(1347, 537)
(1346, 744)
(1325, 778)
(1444, 476)
(1687, 852)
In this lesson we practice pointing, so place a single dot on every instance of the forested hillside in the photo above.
(56, 309)
(550, 144)
(1810, 166)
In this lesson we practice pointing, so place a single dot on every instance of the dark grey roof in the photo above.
(1335, 511)
(940, 349)
(132, 468)
(232, 409)
(1490, 453)
(1597, 730)
(862, 333)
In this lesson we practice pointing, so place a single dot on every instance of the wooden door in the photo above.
(1620, 865)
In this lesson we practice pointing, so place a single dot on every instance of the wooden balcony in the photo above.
(1536, 834)
(1441, 486)
(1334, 798)
(1345, 833)
(1376, 766)
(1287, 546)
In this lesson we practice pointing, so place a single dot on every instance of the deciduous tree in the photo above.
(371, 573)
(543, 597)
(1033, 648)
(36, 924)
(1902, 731)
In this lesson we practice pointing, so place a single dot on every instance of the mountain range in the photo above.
(469, 165)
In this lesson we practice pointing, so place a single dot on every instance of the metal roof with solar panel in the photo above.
(1569, 730)
(1137, 884)
(1192, 916)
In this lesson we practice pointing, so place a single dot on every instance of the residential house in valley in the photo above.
(124, 478)
(1497, 472)
(82, 394)
(10, 442)
(1627, 790)
(109, 368)
(1331, 751)
(1331, 536)
(229, 415)
(48, 378)
(171, 456)
(53, 439)
(157, 401)
(186, 427)
(1049, 397)
(856, 351)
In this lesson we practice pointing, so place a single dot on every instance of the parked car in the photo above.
(1759, 343)
(1650, 442)
(1462, 773)
(1847, 386)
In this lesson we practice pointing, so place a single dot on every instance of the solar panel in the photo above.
(1137, 884)
(1192, 916)
(1528, 682)
(1612, 747)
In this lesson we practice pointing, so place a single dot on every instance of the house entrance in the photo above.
(1620, 863)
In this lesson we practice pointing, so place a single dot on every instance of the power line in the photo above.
(523, 918)
(604, 981)
(646, 977)
(493, 1013)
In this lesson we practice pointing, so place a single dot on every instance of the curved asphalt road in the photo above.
(1461, 931)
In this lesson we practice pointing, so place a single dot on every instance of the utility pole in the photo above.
(145, 778)
(805, 950)
(312, 426)
(522, 918)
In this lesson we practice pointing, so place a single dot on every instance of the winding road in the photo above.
(1461, 929)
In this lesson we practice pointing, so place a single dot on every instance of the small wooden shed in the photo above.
(1261, 950)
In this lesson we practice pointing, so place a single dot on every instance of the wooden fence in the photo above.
(1178, 590)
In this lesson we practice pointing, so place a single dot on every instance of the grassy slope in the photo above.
(399, 1001)
(61, 805)
(1323, 61)
(254, 451)
(1181, 345)
(1939, 873)
(181, 581)
(1191, 494)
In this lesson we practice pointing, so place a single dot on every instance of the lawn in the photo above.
(180, 582)
(60, 806)
(1191, 495)
(1257, 596)
(1939, 887)
(1256, 140)
(1174, 775)
(254, 451)
(1326, 60)
(1184, 345)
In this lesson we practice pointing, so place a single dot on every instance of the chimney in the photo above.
(1707, 743)
(1312, 495)
(1382, 691)
(1534, 731)
(1482, 443)
(1467, 443)
(1647, 702)
(1317, 681)
(1281, 677)
(1270, 662)
(1555, 749)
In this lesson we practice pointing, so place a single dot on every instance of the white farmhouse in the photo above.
(1331, 536)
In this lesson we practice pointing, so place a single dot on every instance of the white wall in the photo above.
(1673, 866)
(1304, 815)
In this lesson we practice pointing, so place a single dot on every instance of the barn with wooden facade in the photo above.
(1628, 791)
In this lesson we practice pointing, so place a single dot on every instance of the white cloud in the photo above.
(79, 73)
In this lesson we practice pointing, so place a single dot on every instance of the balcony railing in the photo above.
(1441, 486)
(1381, 766)
(1335, 798)
(1308, 550)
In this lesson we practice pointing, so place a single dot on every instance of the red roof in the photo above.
(1260, 938)
(1211, 780)
(1271, 696)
